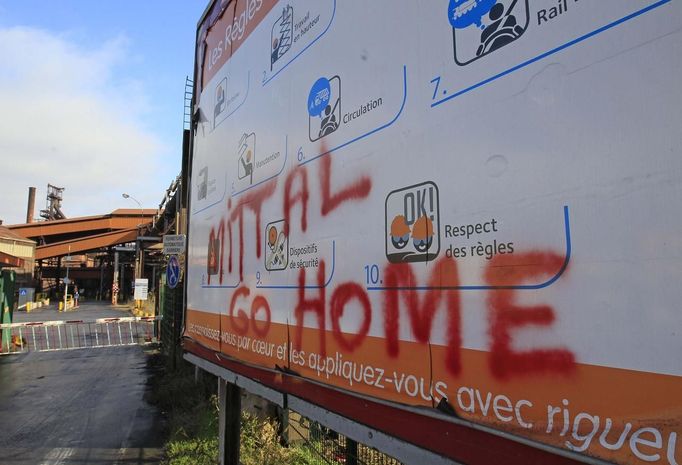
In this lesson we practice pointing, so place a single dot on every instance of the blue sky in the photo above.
(94, 100)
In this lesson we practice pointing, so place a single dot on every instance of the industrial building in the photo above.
(101, 254)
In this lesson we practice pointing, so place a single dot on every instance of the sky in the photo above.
(92, 95)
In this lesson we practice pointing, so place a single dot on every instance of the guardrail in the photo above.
(46, 336)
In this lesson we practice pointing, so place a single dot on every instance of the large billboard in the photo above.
(473, 203)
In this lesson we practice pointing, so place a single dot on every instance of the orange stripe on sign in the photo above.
(229, 33)
(615, 414)
(203, 327)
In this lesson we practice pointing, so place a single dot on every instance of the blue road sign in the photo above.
(22, 291)
(173, 272)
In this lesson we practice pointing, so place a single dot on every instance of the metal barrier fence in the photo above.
(332, 448)
(78, 334)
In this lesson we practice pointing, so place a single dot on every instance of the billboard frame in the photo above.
(337, 408)
(415, 436)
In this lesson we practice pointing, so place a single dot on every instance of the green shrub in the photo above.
(192, 412)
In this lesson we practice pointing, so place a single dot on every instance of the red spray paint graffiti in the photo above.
(260, 302)
(359, 189)
(216, 246)
(505, 316)
(239, 323)
(421, 306)
(301, 196)
(421, 316)
(253, 201)
(340, 298)
(316, 306)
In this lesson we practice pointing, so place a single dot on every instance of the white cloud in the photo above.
(69, 120)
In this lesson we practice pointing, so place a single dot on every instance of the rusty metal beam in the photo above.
(117, 220)
(85, 244)
(10, 260)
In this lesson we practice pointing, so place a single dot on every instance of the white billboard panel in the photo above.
(474, 201)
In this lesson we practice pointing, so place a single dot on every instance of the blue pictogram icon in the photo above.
(463, 13)
(319, 96)
(173, 272)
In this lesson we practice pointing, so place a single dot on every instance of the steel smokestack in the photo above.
(31, 204)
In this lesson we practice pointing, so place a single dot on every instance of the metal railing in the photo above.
(78, 334)
(332, 448)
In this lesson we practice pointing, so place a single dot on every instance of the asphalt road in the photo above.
(83, 406)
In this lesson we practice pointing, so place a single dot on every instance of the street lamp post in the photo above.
(114, 286)
(128, 196)
(66, 279)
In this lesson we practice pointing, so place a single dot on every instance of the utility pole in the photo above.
(114, 284)
(66, 280)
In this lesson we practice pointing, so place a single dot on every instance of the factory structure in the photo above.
(100, 255)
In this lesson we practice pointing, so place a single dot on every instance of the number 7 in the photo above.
(435, 90)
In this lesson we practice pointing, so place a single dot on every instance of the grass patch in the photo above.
(191, 409)
(194, 438)
(260, 446)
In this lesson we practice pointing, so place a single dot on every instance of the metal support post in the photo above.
(101, 279)
(114, 284)
(230, 422)
(39, 276)
(351, 452)
(138, 265)
(66, 280)
(57, 277)
(123, 282)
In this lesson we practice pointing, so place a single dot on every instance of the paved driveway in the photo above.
(79, 406)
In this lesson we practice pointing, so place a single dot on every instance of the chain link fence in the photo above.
(171, 310)
(331, 447)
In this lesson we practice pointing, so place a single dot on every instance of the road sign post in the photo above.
(66, 279)
(141, 288)
(173, 272)
(174, 244)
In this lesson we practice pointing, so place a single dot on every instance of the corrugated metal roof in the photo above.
(6, 233)
(79, 219)
(135, 211)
